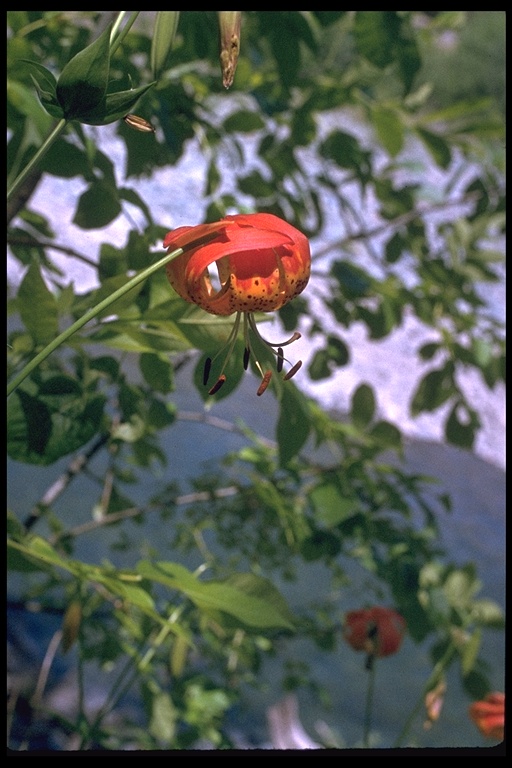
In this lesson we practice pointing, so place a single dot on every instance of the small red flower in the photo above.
(378, 631)
(262, 263)
(489, 715)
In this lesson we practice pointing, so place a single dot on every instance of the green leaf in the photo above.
(363, 405)
(37, 307)
(389, 128)
(255, 185)
(344, 150)
(157, 372)
(376, 34)
(487, 613)
(46, 86)
(65, 160)
(383, 38)
(435, 388)
(437, 146)
(319, 367)
(470, 651)
(461, 425)
(331, 506)
(97, 206)
(114, 106)
(293, 425)
(83, 82)
(354, 281)
(29, 426)
(386, 434)
(46, 425)
(254, 611)
(164, 715)
(243, 121)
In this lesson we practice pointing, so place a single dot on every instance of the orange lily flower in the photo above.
(378, 631)
(489, 715)
(262, 263)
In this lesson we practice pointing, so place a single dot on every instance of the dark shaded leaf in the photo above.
(83, 82)
(363, 405)
(97, 206)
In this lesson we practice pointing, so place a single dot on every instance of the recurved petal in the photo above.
(185, 236)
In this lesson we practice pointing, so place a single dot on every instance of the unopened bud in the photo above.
(229, 23)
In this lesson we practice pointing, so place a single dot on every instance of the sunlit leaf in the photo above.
(293, 425)
(37, 306)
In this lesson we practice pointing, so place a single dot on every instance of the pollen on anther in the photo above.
(265, 382)
(218, 384)
(293, 371)
(206, 370)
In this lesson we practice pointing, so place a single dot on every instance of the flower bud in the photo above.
(166, 24)
(229, 23)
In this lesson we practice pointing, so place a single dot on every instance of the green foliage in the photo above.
(334, 123)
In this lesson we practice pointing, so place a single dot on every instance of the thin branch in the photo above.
(62, 482)
(32, 242)
(399, 221)
(130, 512)
(228, 426)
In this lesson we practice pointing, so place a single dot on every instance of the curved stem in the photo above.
(43, 149)
(65, 335)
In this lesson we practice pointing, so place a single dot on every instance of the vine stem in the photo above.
(89, 315)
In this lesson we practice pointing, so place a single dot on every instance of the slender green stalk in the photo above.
(115, 43)
(89, 315)
(432, 681)
(43, 149)
(369, 702)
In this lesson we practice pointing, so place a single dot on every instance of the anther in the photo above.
(264, 384)
(206, 370)
(293, 371)
(218, 384)
(247, 355)
(280, 359)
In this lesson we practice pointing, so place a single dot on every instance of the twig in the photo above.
(34, 243)
(126, 514)
(399, 221)
(62, 482)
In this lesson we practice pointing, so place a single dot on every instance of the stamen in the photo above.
(254, 328)
(247, 355)
(264, 384)
(292, 371)
(206, 370)
(218, 384)
(280, 359)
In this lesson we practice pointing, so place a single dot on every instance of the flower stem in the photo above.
(102, 305)
(432, 681)
(43, 149)
(369, 701)
(116, 42)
